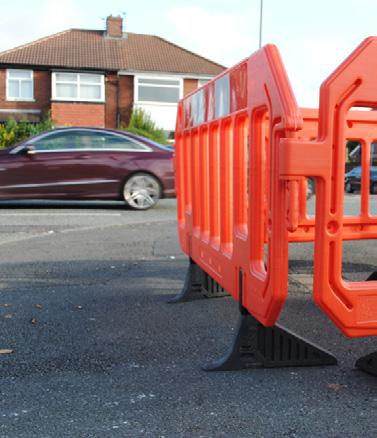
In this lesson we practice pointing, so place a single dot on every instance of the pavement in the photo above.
(96, 350)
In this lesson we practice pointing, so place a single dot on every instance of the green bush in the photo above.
(142, 124)
(12, 132)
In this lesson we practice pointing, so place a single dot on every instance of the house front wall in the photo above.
(120, 97)
(78, 114)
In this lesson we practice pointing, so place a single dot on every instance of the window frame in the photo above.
(137, 78)
(78, 82)
(19, 99)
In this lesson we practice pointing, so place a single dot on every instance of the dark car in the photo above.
(352, 180)
(88, 163)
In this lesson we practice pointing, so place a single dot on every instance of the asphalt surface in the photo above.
(98, 352)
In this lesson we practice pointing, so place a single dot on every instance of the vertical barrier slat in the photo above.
(187, 171)
(180, 183)
(214, 182)
(241, 166)
(258, 192)
(204, 183)
(195, 180)
(226, 186)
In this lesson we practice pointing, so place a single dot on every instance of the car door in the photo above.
(93, 169)
(35, 169)
(106, 159)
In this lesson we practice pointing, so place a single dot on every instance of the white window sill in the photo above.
(58, 99)
(144, 102)
(10, 99)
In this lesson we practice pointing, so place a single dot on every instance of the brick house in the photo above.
(95, 78)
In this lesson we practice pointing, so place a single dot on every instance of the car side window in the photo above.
(122, 142)
(89, 140)
(97, 140)
(93, 140)
(55, 142)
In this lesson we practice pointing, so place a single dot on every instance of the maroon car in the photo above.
(88, 163)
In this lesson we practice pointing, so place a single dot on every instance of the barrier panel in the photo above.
(216, 211)
(243, 153)
(352, 306)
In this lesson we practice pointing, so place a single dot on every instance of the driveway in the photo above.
(98, 352)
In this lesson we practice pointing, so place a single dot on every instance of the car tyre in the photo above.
(348, 187)
(141, 191)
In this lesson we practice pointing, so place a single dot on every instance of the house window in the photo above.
(84, 87)
(20, 85)
(159, 90)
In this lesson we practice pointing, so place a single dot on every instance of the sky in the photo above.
(313, 36)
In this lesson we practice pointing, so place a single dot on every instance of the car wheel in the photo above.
(348, 187)
(373, 188)
(141, 191)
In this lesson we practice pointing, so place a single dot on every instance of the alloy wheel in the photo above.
(141, 191)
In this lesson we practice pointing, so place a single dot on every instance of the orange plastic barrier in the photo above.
(224, 220)
(243, 153)
(351, 305)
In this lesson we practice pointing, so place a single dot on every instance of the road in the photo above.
(98, 352)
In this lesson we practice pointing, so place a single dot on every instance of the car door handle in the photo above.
(84, 156)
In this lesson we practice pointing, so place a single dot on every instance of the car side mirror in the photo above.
(29, 150)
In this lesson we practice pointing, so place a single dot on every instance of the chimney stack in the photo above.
(114, 26)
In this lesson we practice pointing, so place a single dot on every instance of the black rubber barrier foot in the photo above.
(368, 363)
(198, 284)
(256, 346)
(192, 286)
